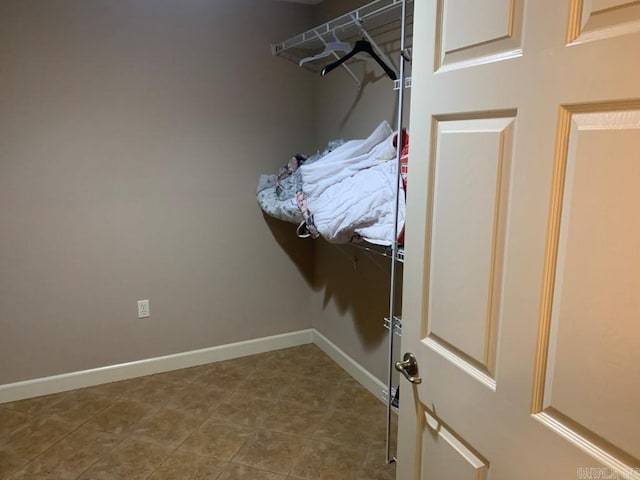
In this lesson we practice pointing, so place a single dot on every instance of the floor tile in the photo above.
(271, 451)
(10, 462)
(197, 400)
(121, 417)
(298, 355)
(242, 472)
(311, 393)
(353, 431)
(153, 391)
(376, 468)
(291, 412)
(380, 444)
(264, 383)
(250, 362)
(167, 427)
(114, 389)
(299, 361)
(222, 375)
(70, 457)
(215, 439)
(38, 405)
(355, 399)
(319, 365)
(38, 435)
(10, 421)
(185, 466)
(289, 417)
(242, 409)
(324, 461)
(182, 376)
(134, 459)
(282, 363)
(79, 406)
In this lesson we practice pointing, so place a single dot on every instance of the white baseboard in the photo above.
(113, 373)
(353, 368)
(97, 376)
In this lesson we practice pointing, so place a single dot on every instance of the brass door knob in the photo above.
(409, 368)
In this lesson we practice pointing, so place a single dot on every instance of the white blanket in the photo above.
(352, 191)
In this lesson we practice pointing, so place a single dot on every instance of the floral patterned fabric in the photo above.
(280, 195)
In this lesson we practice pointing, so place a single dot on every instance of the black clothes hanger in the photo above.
(361, 46)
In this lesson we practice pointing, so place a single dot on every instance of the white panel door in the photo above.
(522, 274)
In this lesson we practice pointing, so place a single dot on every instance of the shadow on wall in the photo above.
(375, 84)
(368, 78)
(356, 284)
(299, 251)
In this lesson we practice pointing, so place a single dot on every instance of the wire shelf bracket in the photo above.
(397, 325)
(397, 83)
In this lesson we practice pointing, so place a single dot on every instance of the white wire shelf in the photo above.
(380, 250)
(369, 17)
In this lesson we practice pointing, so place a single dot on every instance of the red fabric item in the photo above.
(404, 169)
(404, 159)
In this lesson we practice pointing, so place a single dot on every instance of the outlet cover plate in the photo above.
(143, 309)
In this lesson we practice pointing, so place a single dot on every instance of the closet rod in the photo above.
(395, 247)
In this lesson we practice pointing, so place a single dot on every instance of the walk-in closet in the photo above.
(148, 303)
(319, 239)
(358, 216)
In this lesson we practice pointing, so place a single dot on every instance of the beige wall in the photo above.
(132, 134)
(351, 302)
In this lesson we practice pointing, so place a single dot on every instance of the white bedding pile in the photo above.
(351, 191)
(345, 194)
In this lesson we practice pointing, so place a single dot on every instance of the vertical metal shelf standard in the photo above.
(404, 57)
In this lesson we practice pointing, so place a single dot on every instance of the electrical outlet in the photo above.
(143, 308)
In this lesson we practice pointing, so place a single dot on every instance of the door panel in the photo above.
(598, 19)
(522, 272)
(448, 457)
(470, 192)
(589, 328)
(467, 25)
(471, 33)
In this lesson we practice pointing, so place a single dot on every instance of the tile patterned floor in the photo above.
(289, 414)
